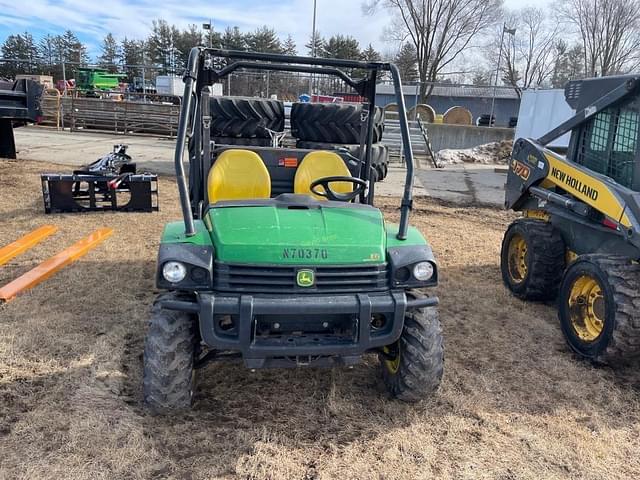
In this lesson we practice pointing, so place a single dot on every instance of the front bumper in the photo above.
(290, 350)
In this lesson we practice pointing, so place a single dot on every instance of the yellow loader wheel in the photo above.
(532, 259)
(599, 308)
(412, 367)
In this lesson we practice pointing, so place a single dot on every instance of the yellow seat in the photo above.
(320, 164)
(238, 175)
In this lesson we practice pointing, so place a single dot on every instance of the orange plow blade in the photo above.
(49, 267)
(25, 243)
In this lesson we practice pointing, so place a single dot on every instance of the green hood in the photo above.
(314, 236)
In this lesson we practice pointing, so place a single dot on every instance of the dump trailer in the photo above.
(579, 238)
(19, 104)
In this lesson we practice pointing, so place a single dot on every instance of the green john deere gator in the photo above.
(281, 259)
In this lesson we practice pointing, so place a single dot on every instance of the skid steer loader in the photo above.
(579, 238)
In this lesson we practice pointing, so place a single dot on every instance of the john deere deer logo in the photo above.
(305, 278)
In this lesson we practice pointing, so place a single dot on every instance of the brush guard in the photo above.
(127, 192)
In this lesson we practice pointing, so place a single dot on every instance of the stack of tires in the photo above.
(245, 120)
(330, 126)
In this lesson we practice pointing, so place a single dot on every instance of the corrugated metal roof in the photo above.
(444, 90)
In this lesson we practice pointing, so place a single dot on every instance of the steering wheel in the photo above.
(329, 194)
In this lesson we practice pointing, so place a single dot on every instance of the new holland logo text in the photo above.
(305, 278)
(575, 184)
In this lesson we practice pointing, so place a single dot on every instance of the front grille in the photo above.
(282, 279)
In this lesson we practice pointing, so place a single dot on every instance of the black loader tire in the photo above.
(169, 349)
(332, 122)
(379, 153)
(416, 371)
(542, 265)
(245, 117)
(616, 341)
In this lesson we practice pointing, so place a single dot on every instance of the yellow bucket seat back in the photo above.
(238, 175)
(320, 164)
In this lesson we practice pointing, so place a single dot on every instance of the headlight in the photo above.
(423, 271)
(174, 272)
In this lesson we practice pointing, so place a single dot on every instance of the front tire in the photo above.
(599, 308)
(532, 260)
(412, 367)
(169, 350)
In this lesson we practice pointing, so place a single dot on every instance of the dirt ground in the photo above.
(514, 403)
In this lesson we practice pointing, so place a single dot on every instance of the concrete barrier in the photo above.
(464, 136)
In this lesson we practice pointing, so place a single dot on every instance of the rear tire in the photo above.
(532, 260)
(599, 308)
(332, 122)
(416, 366)
(245, 117)
(169, 350)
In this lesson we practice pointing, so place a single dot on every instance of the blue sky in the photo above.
(92, 19)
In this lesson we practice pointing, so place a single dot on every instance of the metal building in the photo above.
(476, 99)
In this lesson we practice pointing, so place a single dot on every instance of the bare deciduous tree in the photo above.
(536, 47)
(440, 30)
(609, 31)
(526, 55)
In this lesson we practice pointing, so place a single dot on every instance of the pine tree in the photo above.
(132, 54)
(111, 53)
(342, 46)
(568, 64)
(480, 79)
(370, 54)
(233, 39)
(186, 40)
(20, 47)
(264, 39)
(71, 49)
(161, 46)
(289, 46)
(47, 52)
(316, 48)
(406, 60)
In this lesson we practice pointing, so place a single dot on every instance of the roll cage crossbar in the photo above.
(202, 72)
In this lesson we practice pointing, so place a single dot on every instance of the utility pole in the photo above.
(144, 84)
(510, 31)
(64, 73)
(313, 46)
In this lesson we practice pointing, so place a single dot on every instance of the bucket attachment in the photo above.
(127, 192)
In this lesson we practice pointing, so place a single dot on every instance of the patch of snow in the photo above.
(495, 153)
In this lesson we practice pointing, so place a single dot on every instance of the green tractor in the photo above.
(94, 82)
(281, 259)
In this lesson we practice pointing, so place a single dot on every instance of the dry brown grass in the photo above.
(514, 404)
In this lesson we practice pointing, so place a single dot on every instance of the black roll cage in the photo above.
(201, 72)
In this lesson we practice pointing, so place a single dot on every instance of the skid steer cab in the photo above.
(579, 239)
(281, 259)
